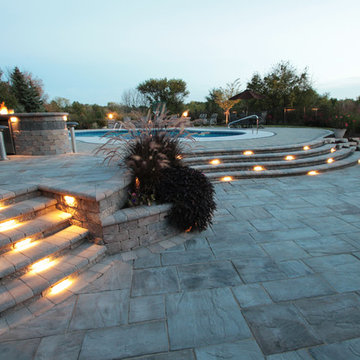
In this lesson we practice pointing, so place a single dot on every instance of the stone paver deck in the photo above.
(276, 277)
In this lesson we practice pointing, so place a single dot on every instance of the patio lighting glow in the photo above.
(248, 152)
(359, 161)
(185, 114)
(14, 119)
(70, 200)
(110, 116)
(60, 286)
(4, 110)
(42, 265)
(24, 244)
(289, 157)
(179, 157)
(330, 160)
(226, 178)
(258, 168)
(306, 147)
(332, 150)
(65, 118)
(313, 173)
(215, 162)
(7, 225)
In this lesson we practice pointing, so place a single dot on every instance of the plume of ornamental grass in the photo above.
(147, 148)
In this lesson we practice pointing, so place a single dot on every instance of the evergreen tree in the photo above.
(26, 92)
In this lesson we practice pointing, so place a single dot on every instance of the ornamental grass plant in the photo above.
(153, 152)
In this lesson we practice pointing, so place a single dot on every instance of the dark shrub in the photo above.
(146, 156)
(191, 194)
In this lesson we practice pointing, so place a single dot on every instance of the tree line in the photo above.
(287, 97)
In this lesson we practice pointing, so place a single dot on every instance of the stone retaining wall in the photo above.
(130, 228)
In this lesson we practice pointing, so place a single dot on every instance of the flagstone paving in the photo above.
(277, 277)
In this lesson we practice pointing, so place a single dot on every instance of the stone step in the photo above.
(326, 149)
(348, 161)
(17, 193)
(258, 150)
(43, 225)
(26, 209)
(280, 164)
(17, 259)
(34, 283)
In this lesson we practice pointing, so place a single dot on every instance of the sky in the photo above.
(93, 50)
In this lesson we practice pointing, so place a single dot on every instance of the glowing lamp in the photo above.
(3, 109)
(313, 173)
(42, 265)
(65, 117)
(226, 178)
(332, 150)
(185, 114)
(306, 147)
(70, 200)
(7, 225)
(359, 161)
(258, 168)
(330, 160)
(24, 244)
(13, 119)
(179, 157)
(248, 152)
(110, 116)
(289, 157)
(215, 162)
(60, 286)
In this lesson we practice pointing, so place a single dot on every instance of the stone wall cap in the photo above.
(37, 114)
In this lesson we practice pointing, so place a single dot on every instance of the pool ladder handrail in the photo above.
(117, 123)
(246, 118)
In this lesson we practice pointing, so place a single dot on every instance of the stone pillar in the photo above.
(40, 133)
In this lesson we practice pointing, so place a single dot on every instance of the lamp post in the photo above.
(2, 144)
(72, 125)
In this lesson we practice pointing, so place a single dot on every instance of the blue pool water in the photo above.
(193, 132)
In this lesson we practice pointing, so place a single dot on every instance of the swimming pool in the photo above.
(203, 134)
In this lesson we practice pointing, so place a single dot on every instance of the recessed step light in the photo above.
(60, 286)
(258, 168)
(7, 225)
(24, 244)
(226, 178)
(330, 160)
(289, 157)
(215, 162)
(306, 147)
(42, 265)
(313, 173)
(248, 152)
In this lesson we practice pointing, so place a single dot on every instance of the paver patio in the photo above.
(276, 277)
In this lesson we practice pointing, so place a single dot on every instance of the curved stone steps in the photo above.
(258, 150)
(348, 161)
(271, 165)
(17, 259)
(27, 209)
(326, 149)
(34, 283)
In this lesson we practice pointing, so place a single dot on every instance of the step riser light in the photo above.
(8, 225)
(24, 244)
(60, 286)
(42, 265)
(226, 178)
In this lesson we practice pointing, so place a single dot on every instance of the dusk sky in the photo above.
(91, 51)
